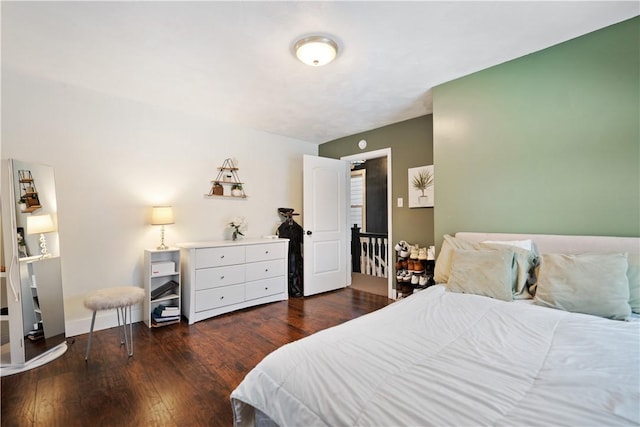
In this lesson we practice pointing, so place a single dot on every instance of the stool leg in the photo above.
(93, 321)
(123, 331)
(122, 339)
(130, 333)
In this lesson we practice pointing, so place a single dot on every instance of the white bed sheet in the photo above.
(441, 358)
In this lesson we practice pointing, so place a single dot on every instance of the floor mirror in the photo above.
(33, 327)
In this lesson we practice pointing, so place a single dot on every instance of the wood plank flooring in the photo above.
(179, 375)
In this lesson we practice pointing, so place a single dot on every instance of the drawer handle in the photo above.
(221, 277)
(266, 288)
(221, 256)
(266, 252)
(222, 297)
(266, 269)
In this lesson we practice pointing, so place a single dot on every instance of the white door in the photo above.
(326, 247)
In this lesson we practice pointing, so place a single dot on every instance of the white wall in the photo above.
(114, 158)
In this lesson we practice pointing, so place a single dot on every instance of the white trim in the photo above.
(384, 152)
(105, 319)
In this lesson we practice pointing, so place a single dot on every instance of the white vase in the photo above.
(236, 192)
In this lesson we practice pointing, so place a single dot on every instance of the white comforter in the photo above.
(440, 358)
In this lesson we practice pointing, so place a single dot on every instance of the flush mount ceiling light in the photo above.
(316, 50)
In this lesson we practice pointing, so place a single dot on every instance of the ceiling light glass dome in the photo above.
(316, 50)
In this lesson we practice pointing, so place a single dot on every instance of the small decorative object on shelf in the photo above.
(238, 225)
(227, 183)
(236, 190)
(217, 189)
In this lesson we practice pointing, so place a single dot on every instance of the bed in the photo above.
(449, 355)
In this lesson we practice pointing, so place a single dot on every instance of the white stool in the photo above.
(120, 298)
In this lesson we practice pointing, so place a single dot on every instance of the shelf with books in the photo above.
(162, 284)
(164, 315)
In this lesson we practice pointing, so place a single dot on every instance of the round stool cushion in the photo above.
(120, 296)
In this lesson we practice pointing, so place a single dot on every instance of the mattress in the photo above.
(443, 358)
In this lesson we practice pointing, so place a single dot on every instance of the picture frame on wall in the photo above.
(421, 183)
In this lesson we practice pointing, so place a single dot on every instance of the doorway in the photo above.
(384, 153)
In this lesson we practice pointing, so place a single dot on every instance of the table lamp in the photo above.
(40, 224)
(162, 215)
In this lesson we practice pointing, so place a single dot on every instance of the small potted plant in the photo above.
(236, 190)
(22, 203)
(422, 181)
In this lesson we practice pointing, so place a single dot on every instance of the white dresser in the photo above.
(223, 276)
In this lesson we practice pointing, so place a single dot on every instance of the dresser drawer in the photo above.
(219, 297)
(216, 277)
(216, 257)
(265, 252)
(263, 288)
(264, 269)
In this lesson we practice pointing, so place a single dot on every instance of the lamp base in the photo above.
(43, 247)
(162, 246)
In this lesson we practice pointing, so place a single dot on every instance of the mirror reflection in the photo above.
(36, 238)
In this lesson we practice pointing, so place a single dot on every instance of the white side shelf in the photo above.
(154, 281)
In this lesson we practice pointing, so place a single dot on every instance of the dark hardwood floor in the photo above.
(179, 375)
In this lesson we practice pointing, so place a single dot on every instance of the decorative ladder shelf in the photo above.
(225, 182)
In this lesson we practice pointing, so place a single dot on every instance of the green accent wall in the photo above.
(547, 143)
(411, 144)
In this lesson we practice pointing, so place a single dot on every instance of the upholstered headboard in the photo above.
(554, 243)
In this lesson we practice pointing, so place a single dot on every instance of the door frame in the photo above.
(375, 154)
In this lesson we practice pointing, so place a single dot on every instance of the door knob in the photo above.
(309, 233)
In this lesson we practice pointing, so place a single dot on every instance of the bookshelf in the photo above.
(162, 285)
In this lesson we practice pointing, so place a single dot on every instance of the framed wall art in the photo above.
(421, 187)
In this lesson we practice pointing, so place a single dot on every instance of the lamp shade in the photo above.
(38, 224)
(316, 50)
(162, 215)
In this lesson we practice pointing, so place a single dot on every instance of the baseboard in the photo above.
(105, 319)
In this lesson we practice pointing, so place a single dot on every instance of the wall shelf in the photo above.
(227, 184)
(28, 192)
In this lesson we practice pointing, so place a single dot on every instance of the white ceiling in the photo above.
(233, 61)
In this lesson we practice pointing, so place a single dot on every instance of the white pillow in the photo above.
(633, 274)
(524, 244)
(591, 283)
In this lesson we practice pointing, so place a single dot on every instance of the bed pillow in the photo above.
(524, 244)
(590, 283)
(445, 257)
(526, 261)
(487, 272)
(633, 274)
